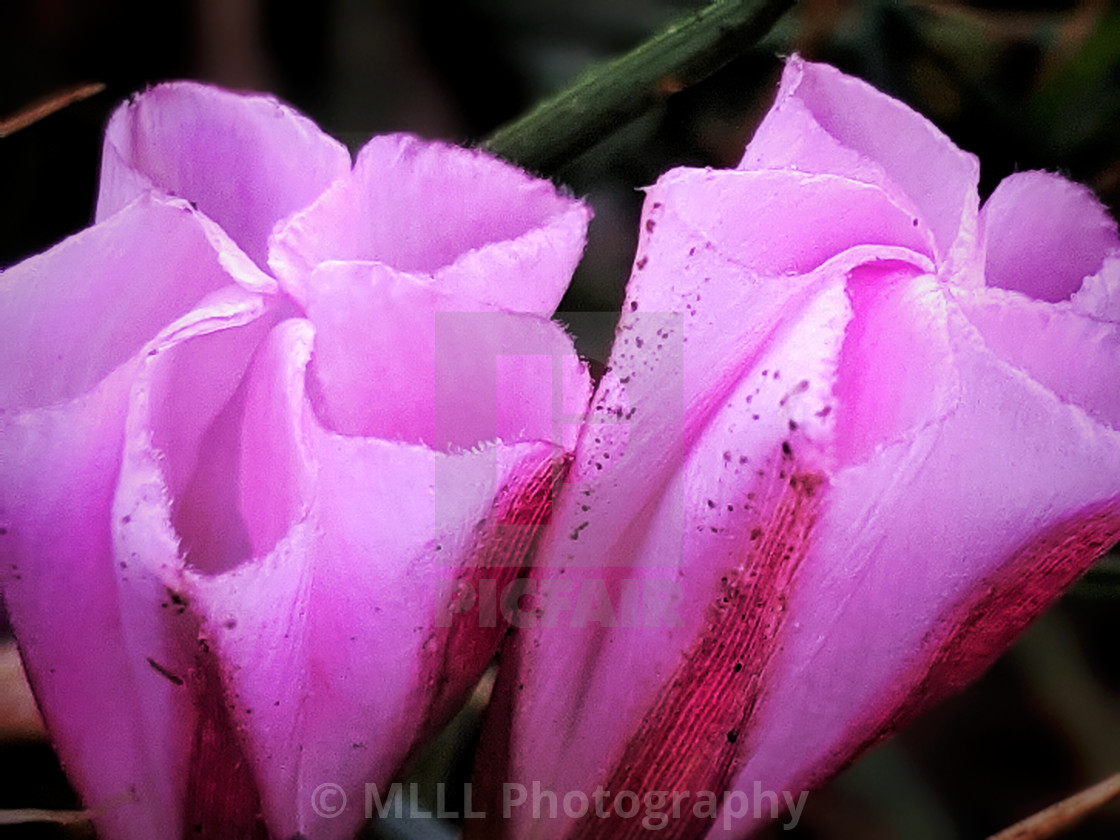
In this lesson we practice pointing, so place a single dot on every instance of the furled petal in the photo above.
(898, 375)
(440, 368)
(980, 553)
(829, 475)
(245, 160)
(696, 264)
(341, 506)
(88, 327)
(1099, 295)
(349, 636)
(823, 121)
(1044, 235)
(643, 656)
(472, 225)
(1067, 352)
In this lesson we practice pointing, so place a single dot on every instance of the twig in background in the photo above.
(56, 102)
(1063, 815)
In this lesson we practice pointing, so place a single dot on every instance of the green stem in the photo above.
(608, 96)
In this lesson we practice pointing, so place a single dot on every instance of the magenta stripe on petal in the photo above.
(222, 799)
(985, 624)
(476, 617)
(695, 734)
(953, 422)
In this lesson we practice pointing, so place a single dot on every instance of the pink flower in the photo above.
(258, 425)
(856, 433)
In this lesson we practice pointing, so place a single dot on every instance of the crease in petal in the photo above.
(770, 239)
(980, 556)
(897, 373)
(356, 590)
(468, 223)
(825, 121)
(184, 418)
(441, 369)
(107, 644)
(75, 312)
(1068, 354)
(1099, 295)
(245, 160)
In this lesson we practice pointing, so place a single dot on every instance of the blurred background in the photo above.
(1021, 84)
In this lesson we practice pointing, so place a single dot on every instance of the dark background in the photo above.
(1023, 85)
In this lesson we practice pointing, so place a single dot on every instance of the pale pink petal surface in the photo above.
(469, 223)
(440, 368)
(93, 326)
(981, 554)
(823, 121)
(261, 533)
(246, 161)
(337, 639)
(1044, 235)
(836, 469)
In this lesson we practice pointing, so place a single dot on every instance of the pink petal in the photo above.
(90, 322)
(1044, 235)
(824, 121)
(440, 368)
(954, 567)
(244, 159)
(1066, 353)
(654, 689)
(637, 526)
(472, 225)
(85, 307)
(898, 375)
(338, 645)
(711, 328)
(1099, 295)
(876, 472)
